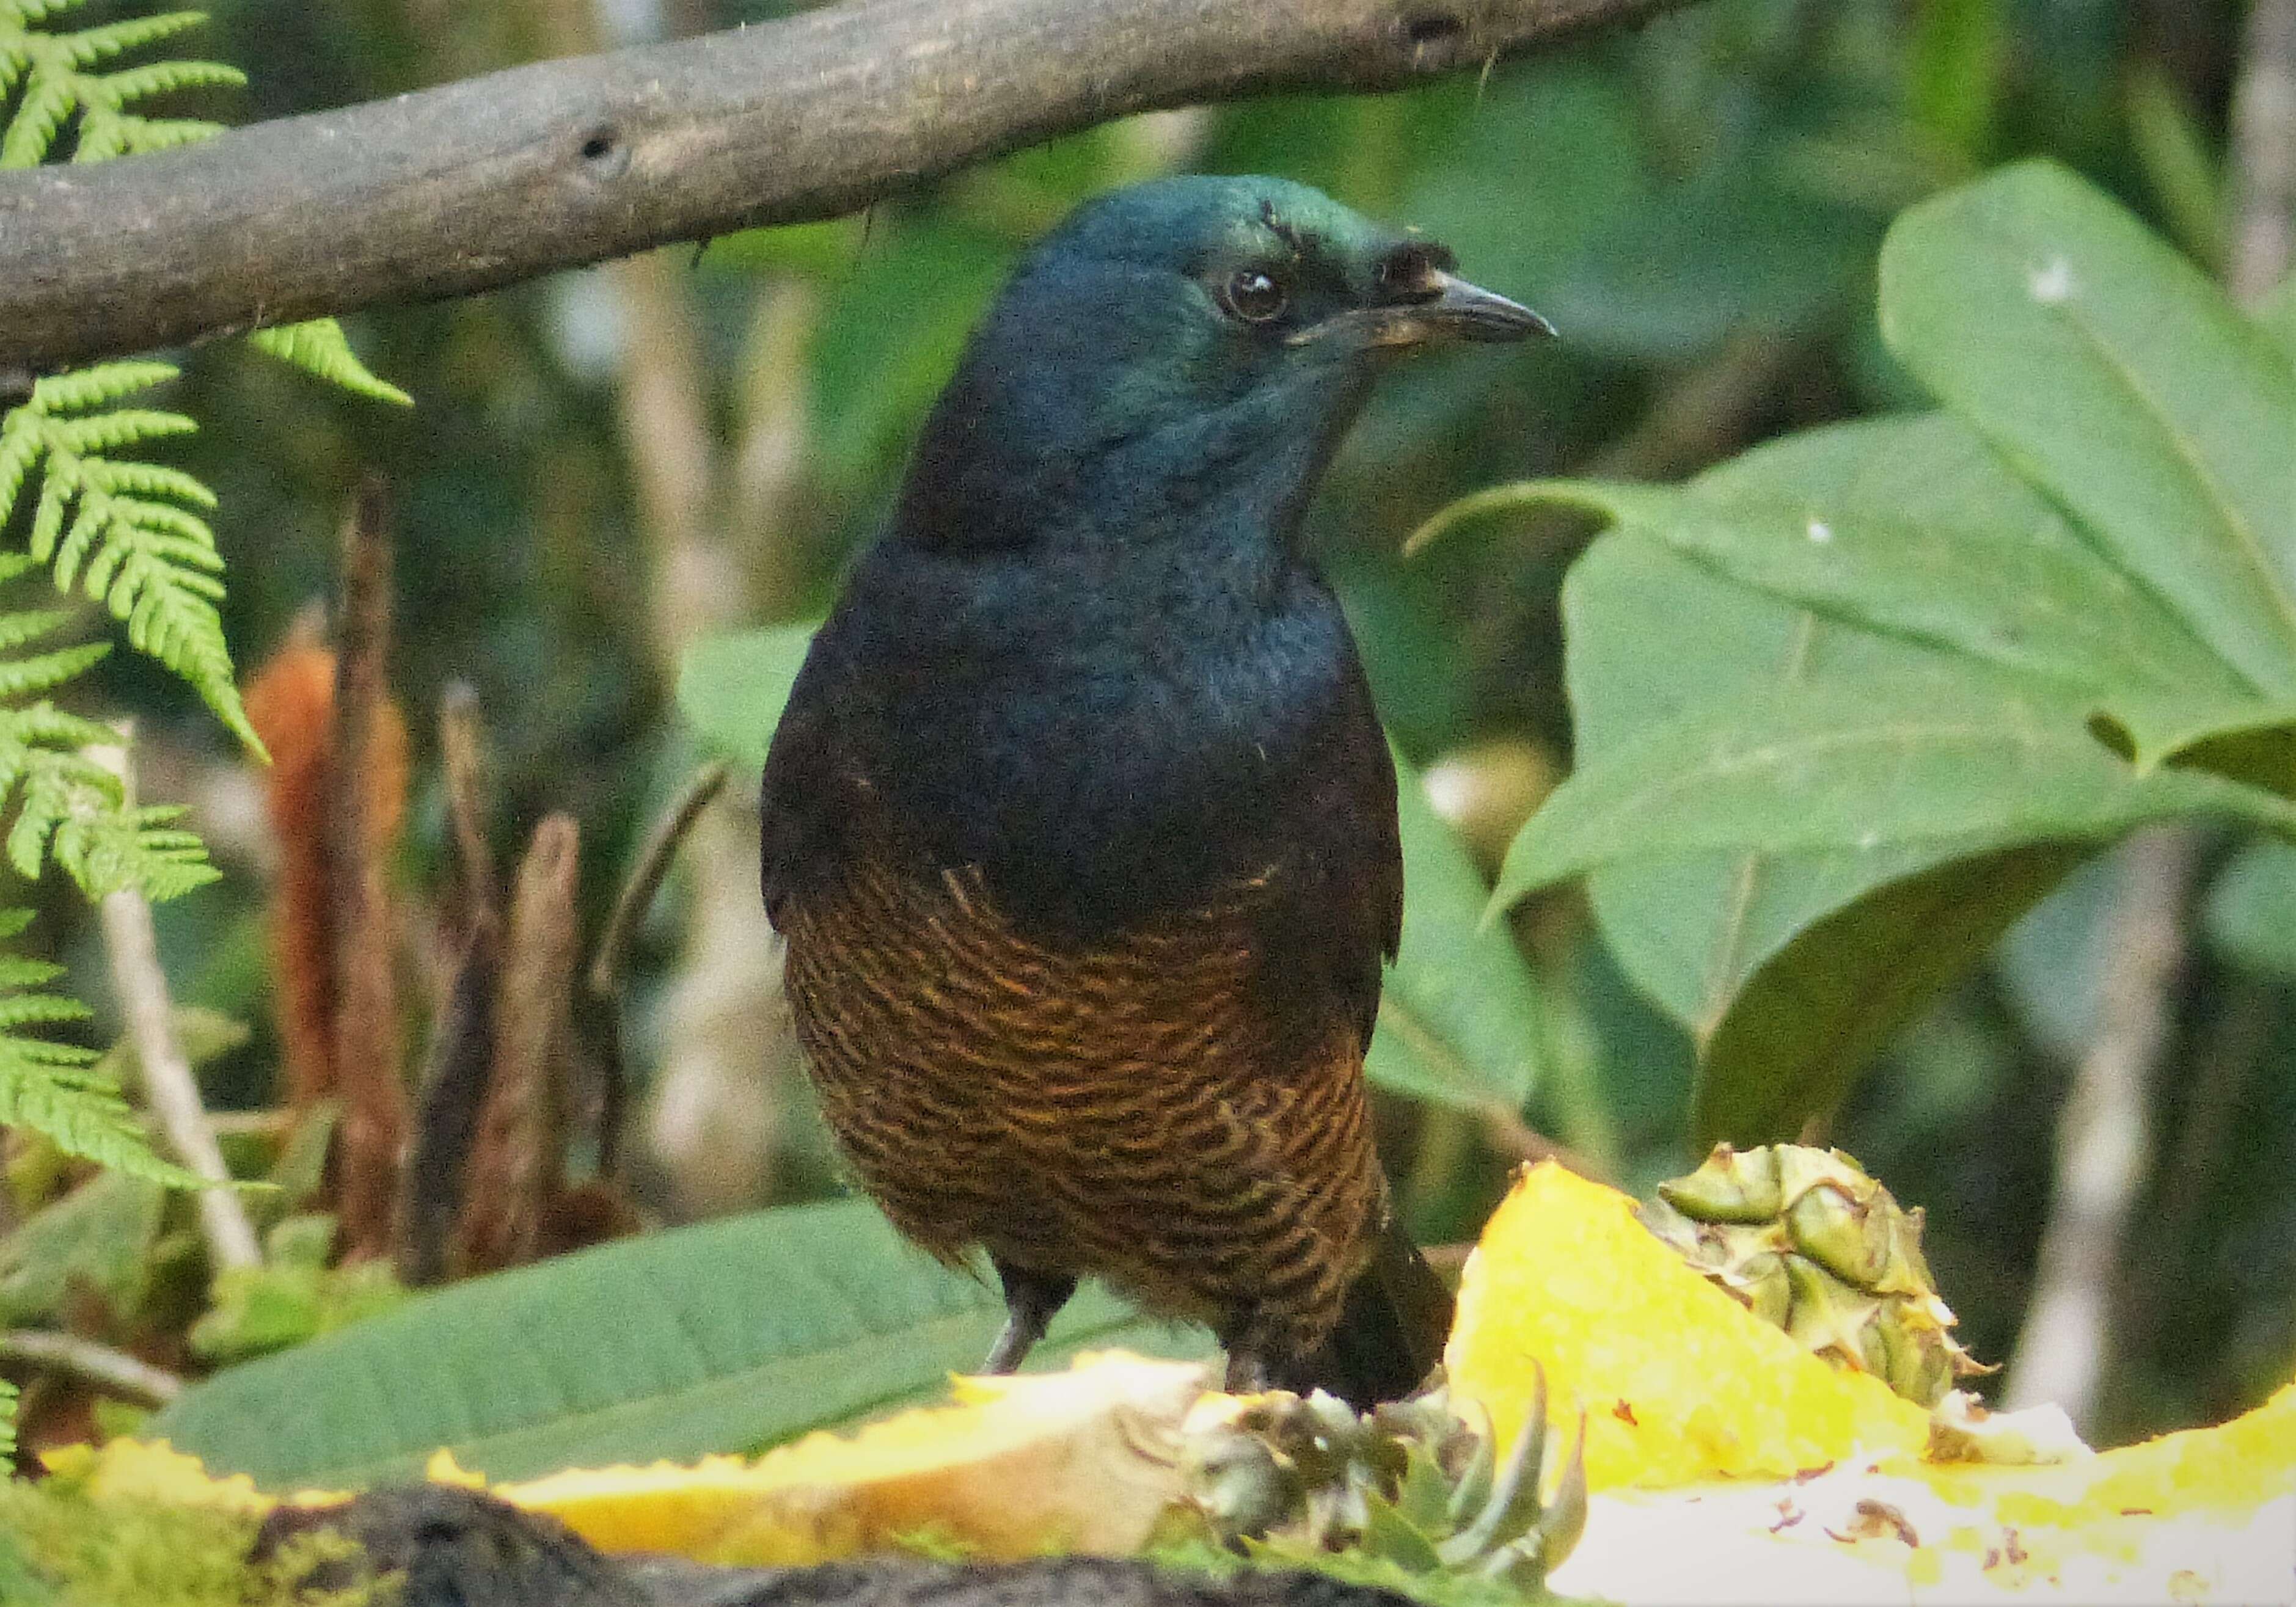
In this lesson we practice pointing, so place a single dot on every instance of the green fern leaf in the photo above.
(128, 533)
(7, 1422)
(51, 1087)
(98, 387)
(59, 81)
(70, 810)
(90, 46)
(21, 678)
(321, 347)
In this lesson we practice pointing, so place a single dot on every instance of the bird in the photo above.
(1078, 826)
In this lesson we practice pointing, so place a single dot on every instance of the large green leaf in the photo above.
(2124, 384)
(731, 688)
(2276, 314)
(727, 1336)
(1946, 759)
(1905, 566)
(1460, 1020)
(1790, 971)
(2250, 913)
(2051, 609)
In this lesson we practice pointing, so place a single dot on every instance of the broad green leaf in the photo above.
(1751, 952)
(2049, 608)
(731, 688)
(1913, 762)
(726, 1336)
(1730, 944)
(2250, 913)
(2117, 378)
(1813, 1020)
(96, 1240)
(2277, 316)
(1460, 1018)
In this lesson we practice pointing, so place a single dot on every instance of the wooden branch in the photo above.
(114, 1372)
(501, 177)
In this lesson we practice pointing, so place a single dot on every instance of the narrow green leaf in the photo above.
(321, 347)
(1904, 762)
(2169, 430)
(1953, 62)
(2184, 174)
(726, 1336)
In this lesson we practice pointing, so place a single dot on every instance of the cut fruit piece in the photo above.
(1679, 1381)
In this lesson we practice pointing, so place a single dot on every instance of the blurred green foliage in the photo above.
(1698, 206)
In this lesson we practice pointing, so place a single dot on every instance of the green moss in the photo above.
(60, 1546)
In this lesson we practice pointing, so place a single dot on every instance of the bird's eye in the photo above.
(1256, 296)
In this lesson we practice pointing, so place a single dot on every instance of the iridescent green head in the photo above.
(1199, 342)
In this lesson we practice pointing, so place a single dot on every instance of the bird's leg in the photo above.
(1247, 1371)
(1031, 1299)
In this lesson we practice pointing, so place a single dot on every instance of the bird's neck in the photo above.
(1229, 485)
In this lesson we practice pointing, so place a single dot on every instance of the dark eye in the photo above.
(1256, 296)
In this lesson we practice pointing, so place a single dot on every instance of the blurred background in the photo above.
(604, 467)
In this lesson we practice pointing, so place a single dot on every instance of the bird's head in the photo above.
(1186, 350)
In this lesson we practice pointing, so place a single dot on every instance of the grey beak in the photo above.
(1468, 312)
(1441, 308)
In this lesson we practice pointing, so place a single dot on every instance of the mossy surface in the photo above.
(64, 1545)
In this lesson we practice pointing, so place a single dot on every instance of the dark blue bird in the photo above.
(1080, 826)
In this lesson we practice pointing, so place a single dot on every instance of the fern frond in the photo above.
(52, 1088)
(7, 1424)
(139, 848)
(21, 678)
(321, 347)
(90, 46)
(99, 386)
(57, 71)
(128, 533)
(71, 809)
(60, 80)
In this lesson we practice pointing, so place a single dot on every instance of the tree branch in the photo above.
(115, 1372)
(499, 179)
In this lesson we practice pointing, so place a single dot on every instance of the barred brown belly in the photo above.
(1128, 1112)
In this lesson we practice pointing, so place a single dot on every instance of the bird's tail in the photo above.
(1390, 1334)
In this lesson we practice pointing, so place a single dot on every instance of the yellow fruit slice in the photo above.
(1678, 1381)
(1075, 1461)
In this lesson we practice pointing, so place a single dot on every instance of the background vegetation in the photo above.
(601, 470)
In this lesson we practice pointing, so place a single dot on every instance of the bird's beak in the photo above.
(1443, 306)
(1460, 311)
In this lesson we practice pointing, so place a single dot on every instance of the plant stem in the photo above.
(169, 1085)
(2103, 1139)
(2264, 152)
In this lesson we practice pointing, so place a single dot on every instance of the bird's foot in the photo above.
(1031, 1299)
